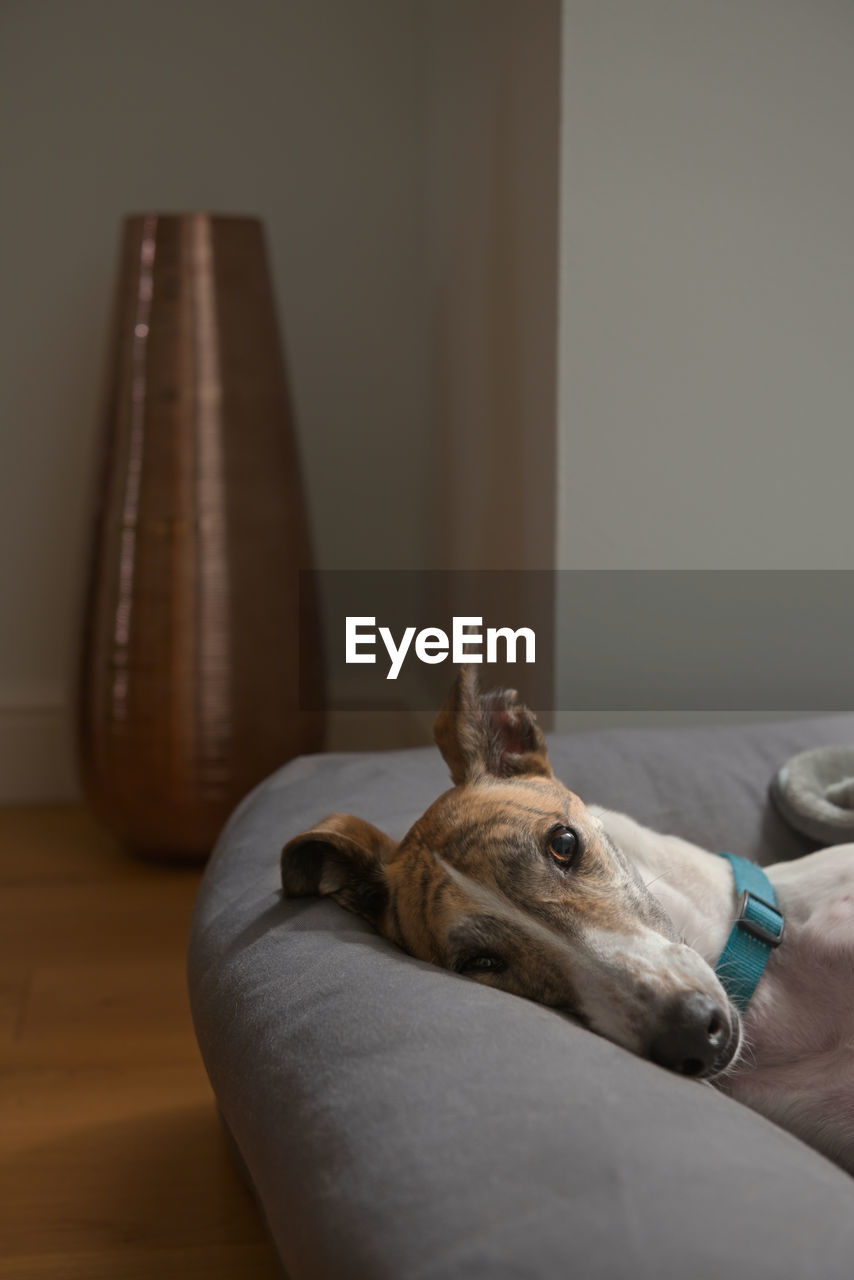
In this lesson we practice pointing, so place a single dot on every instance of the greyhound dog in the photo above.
(510, 879)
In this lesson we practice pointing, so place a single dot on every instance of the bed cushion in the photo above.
(398, 1120)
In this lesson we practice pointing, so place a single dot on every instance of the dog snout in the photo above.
(695, 1036)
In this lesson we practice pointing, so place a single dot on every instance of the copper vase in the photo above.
(189, 683)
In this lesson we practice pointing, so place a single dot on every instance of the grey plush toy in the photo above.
(814, 792)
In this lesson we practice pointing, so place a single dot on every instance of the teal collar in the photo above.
(757, 930)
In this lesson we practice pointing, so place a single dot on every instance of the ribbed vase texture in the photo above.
(189, 678)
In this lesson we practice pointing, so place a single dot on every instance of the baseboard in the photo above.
(36, 751)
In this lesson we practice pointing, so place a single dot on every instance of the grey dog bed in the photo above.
(400, 1122)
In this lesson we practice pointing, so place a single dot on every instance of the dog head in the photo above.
(509, 879)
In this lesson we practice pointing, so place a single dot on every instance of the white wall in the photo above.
(706, 286)
(306, 112)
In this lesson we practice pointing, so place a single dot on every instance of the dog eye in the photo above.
(563, 846)
(481, 964)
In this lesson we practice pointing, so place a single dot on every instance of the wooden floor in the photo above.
(112, 1163)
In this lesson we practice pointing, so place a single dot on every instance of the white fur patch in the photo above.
(622, 981)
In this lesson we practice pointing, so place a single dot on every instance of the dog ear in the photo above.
(494, 733)
(342, 858)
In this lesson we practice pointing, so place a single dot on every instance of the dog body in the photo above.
(796, 1065)
(511, 880)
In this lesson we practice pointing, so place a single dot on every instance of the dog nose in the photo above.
(693, 1034)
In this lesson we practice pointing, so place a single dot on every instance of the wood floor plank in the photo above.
(216, 1262)
(112, 1159)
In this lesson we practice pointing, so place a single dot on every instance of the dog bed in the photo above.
(815, 793)
(397, 1120)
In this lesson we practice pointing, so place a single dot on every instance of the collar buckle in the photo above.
(760, 919)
